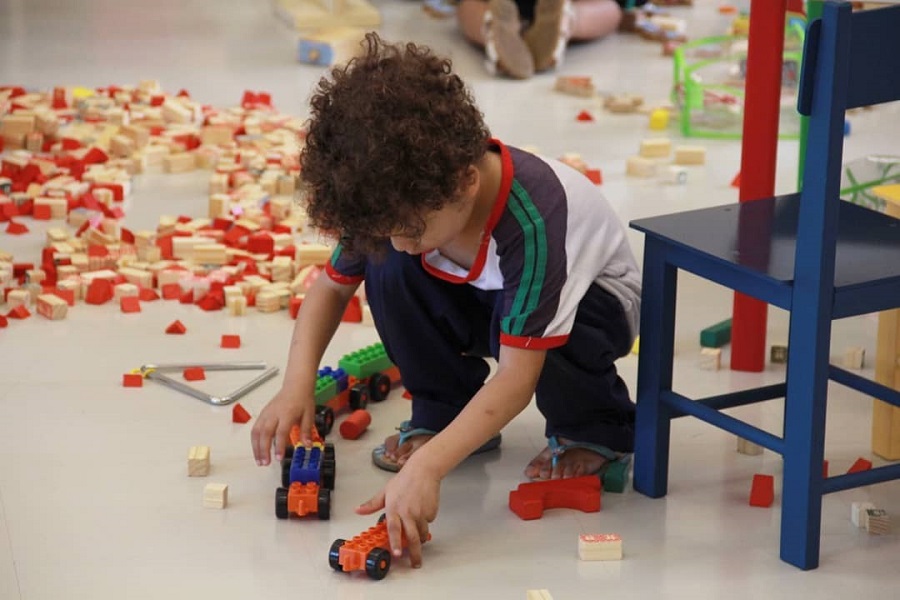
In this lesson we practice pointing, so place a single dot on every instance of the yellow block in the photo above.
(888, 193)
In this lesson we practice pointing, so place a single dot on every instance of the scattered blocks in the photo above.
(215, 495)
(638, 166)
(748, 447)
(762, 492)
(134, 380)
(603, 546)
(239, 414)
(231, 341)
(198, 461)
(176, 328)
(194, 374)
(716, 336)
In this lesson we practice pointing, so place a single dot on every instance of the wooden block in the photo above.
(215, 495)
(716, 336)
(237, 305)
(638, 166)
(762, 492)
(538, 595)
(854, 357)
(575, 86)
(125, 290)
(312, 254)
(778, 354)
(603, 546)
(656, 148)
(690, 155)
(748, 447)
(710, 359)
(179, 163)
(52, 307)
(885, 417)
(198, 461)
(675, 174)
(878, 522)
(859, 513)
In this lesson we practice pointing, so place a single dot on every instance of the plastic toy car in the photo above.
(369, 551)
(307, 477)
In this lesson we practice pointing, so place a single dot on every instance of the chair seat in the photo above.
(867, 261)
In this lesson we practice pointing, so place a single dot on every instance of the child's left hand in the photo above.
(410, 501)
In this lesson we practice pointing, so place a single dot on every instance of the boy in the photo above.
(468, 249)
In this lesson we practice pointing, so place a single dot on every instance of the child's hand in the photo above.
(410, 502)
(275, 422)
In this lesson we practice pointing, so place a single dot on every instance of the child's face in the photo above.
(442, 227)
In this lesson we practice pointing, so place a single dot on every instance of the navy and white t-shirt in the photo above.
(550, 235)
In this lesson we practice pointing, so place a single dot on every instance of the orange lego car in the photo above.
(369, 551)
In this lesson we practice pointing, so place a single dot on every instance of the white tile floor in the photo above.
(94, 502)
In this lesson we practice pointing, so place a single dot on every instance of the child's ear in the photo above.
(470, 180)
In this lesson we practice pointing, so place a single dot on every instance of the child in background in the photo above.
(469, 249)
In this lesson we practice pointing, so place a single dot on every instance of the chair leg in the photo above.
(804, 436)
(652, 419)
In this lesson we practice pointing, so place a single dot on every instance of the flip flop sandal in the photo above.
(407, 432)
(613, 474)
(549, 34)
(506, 51)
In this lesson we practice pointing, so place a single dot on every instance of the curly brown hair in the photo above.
(389, 139)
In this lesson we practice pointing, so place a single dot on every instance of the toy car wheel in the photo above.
(379, 387)
(281, 503)
(328, 453)
(382, 517)
(324, 420)
(359, 396)
(378, 563)
(334, 555)
(324, 508)
(327, 474)
(288, 452)
(286, 472)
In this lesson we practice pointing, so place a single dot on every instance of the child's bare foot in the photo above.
(574, 462)
(400, 453)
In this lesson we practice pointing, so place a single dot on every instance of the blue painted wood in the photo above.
(831, 259)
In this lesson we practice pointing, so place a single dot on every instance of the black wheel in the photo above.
(328, 452)
(327, 474)
(359, 396)
(382, 517)
(379, 387)
(324, 510)
(289, 452)
(324, 420)
(281, 503)
(286, 472)
(334, 555)
(378, 563)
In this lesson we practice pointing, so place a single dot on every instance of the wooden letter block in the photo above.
(604, 546)
(198, 461)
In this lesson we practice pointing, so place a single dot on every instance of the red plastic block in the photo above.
(239, 414)
(861, 464)
(133, 380)
(824, 469)
(355, 424)
(19, 312)
(15, 228)
(762, 492)
(130, 304)
(194, 374)
(176, 327)
(585, 116)
(530, 500)
(231, 341)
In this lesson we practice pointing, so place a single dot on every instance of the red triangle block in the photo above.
(595, 175)
(861, 464)
(585, 116)
(231, 341)
(19, 312)
(130, 304)
(736, 182)
(16, 228)
(212, 301)
(176, 327)
(147, 295)
(99, 292)
(239, 414)
(3, 322)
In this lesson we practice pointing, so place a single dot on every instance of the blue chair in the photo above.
(829, 259)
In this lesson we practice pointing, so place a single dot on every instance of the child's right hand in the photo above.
(275, 422)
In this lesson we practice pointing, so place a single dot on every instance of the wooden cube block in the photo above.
(854, 357)
(538, 595)
(675, 174)
(690, 155)
(878, 522)
(604, 546)
(198, 461)
(778, 354)
(710, 359)
(656, 148)
(638, 166)
(237, 305)
(52, 307)
(215, 495)
(859, 513)
(748, 447)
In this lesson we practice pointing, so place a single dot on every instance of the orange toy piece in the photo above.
(176, 327)
(369, 551)
(736, 182)
(762, 492)
(239, 414)
(231, 341)
(585, 116)
(133, 380)
(529, 500)
(355, 424)
(861, 464)
(130, 304)
(595, 175)
(194, 374)
(303, 499)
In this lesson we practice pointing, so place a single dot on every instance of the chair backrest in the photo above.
(850, 59)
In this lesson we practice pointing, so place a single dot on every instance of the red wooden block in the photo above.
(231, 341)
(861, 464)
(595, 175)
(19, 312)
(762, 492)
(176, 327)
(130, 304)
(261, 243)
(133, 380)
(239, 414)
(171, 291)
(355, 424)
(294, 306)
(529, 500)
(194, 374)
(214, 300)
(585, 116)
(147, 295)
(353, 313)
(3, 322)
(15, 228)
(67, 295)
(186, 297)
(100, 291)
(41, 212)
(736, 182)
